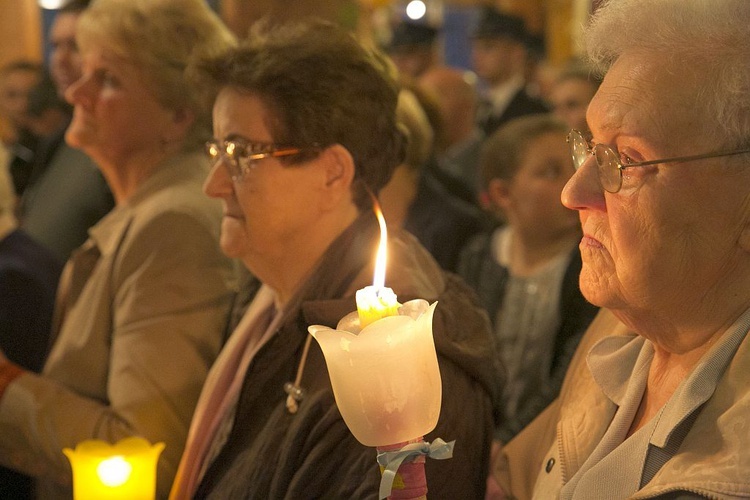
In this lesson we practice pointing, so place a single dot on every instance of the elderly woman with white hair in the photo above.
(661, 410)
(142, 304)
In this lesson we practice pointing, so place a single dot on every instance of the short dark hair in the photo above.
(504, 150)
(323, 88)
(493, 23)
(74, 6)
(408, 35)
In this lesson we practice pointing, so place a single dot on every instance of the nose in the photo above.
(583, 190)
(79, 92)
(219, 183)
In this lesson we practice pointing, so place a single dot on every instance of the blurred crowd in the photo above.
(178, 205)
(478, 186)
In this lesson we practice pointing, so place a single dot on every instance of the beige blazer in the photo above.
(137, 342)
(713, 459)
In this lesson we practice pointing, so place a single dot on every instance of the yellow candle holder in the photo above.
(123, 471)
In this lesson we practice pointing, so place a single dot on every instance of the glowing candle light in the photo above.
(376, 301)
(385, 377)
(124, 471)
(114, 471)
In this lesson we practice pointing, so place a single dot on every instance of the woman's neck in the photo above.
(125, 175)
(666, 373)
(291, 265)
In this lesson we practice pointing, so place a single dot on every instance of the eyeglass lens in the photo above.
(217, 152)
(610, 173)
(606, 161)
(578, 148)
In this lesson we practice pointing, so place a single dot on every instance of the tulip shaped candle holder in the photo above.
(386, 382)
(124, 471)
(384, 373)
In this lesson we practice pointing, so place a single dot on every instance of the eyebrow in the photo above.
(247, 142)
(237, 137)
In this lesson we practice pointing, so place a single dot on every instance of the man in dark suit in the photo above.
(499, 57)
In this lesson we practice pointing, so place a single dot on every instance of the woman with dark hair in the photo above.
(305, 132)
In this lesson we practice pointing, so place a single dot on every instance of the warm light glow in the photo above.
(416, 9)
(51, 4)
(114, 471)
(386, 378)
(378, 280)
(374, 304)
(123, 471)
(376, 301)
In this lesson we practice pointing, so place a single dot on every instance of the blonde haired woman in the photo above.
(143, 317)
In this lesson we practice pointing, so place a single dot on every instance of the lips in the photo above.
(232, 212)
(592, 228)
(591, 242)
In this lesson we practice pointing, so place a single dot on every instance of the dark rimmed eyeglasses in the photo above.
(609, 163)
(242, 156)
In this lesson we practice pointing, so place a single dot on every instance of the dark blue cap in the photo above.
(408, 34)
(495, 24)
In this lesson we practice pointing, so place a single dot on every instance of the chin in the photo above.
(595, 289)
(71, 138)
(75, 136)
(230, 248)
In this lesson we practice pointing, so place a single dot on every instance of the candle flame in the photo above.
(114, 471)
(378, 280)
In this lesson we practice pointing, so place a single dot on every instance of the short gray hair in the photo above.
(712, 38)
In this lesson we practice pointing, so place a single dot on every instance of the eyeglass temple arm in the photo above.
(686, 158)
(275, 154)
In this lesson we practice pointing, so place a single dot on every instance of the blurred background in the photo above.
(554, 23)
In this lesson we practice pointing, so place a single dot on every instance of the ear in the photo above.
(498, 192)
(338, 168)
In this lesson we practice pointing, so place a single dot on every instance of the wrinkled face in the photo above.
(670, 236)
(268, 212)
(569, 99)
(14, 95)
(533, 203)
(116, 116)
(494, 59)
(65, 61)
